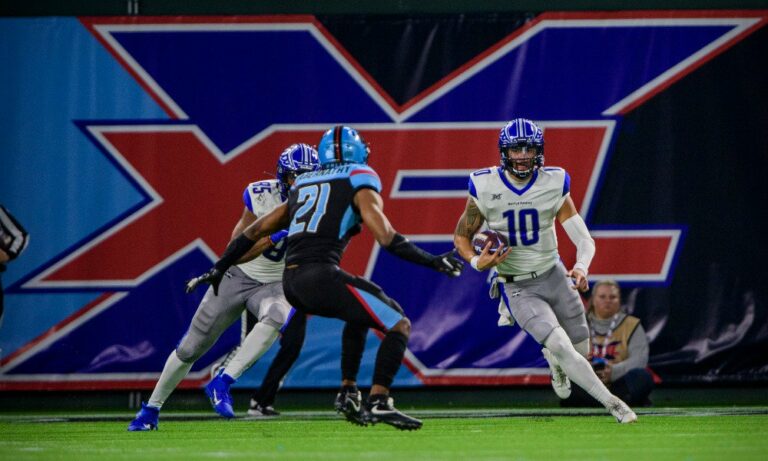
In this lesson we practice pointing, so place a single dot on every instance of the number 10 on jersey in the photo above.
(525, 218)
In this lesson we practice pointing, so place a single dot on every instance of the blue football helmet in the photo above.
(521, 134)
(342, 144)
(295, 160)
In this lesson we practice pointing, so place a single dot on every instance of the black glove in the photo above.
(448, 264)
(212, 277)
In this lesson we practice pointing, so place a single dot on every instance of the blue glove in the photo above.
(277, 236)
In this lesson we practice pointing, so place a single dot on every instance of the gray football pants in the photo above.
(540, 305)
(215, 314)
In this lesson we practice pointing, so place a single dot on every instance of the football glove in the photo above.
(448, 264)
(212, 277)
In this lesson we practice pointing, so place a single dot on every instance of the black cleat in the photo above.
(261, 411)
(350, 403)
(381, 409)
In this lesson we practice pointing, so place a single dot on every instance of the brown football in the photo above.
(482, 238)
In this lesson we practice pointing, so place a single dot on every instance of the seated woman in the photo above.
(619, 349)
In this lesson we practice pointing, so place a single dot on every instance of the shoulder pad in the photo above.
(482, 172)
(258, 195)
(363, 176)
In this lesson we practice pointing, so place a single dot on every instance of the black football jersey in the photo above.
(322, 214)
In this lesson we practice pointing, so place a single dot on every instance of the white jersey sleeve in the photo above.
(260, 198)
(525, 214)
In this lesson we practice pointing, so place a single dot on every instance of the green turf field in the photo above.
(734, 433)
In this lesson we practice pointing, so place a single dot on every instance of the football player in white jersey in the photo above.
(255, 285)
(521, 200)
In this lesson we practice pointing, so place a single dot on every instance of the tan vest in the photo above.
(615, 348)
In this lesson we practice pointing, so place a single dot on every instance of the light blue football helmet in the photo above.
(342, 144)
(295, 160)
(518, 133)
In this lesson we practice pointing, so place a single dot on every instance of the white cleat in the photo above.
(560, 382)
(621, 411)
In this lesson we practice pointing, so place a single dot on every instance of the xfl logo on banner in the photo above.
(238, 91)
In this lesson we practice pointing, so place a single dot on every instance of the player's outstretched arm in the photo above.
(469, 224)
(273, 221)
(263, 244)
(371, 209)
(577, 231)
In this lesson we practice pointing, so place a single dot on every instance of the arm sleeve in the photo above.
(236, 249)
(402, 248)
(637, 355)
(585, 246)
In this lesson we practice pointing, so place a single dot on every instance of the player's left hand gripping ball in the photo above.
(212, 277)
(448, 264)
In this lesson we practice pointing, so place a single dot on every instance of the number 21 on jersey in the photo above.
(315, 200)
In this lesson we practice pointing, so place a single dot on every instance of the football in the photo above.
(482, 238)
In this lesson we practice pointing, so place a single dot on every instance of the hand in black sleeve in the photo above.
(446, 263)
(236, 249)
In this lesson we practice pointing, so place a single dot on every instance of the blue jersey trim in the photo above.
(359, 175)
(566, 184)
(382, 312)
(365, 177)
(247, 199)
(514, 189)
(505, 299)
(291, 313)
(348, 221)
(472, 190)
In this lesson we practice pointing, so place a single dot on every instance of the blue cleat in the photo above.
(146, 419)
(218, 393)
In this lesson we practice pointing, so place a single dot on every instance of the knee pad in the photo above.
(185, 354)
(582, 347)
(191, 347)
(558, 342)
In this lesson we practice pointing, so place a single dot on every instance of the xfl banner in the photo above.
(126, 144)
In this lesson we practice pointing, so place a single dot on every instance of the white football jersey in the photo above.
(525, 215)
(260, 198)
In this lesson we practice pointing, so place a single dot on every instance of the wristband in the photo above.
(473, 263)
(582, 267)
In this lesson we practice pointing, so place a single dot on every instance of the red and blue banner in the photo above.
(126, 143)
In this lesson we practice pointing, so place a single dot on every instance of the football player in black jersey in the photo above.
(325, 209)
